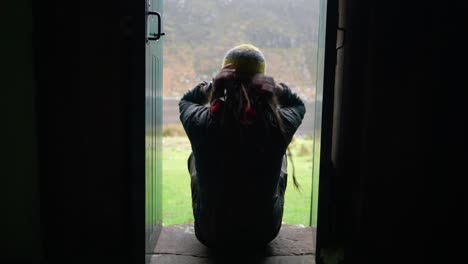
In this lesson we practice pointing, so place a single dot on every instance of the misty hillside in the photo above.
(200, 32)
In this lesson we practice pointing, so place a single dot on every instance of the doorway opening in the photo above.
(198, 34)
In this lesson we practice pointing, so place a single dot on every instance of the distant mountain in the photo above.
(200, 32)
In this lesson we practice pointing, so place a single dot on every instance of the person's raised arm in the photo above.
(194, 113)
(197, 95)
(292, 109)
(192, 108)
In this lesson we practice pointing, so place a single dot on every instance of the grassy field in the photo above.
(177, 207)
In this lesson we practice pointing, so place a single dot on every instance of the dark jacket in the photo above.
(237, 194)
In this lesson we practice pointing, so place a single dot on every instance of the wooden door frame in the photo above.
(328, 234)
(325, 221)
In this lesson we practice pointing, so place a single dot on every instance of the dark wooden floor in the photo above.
(178, 245)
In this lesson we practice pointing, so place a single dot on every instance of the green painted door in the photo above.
(153, 114)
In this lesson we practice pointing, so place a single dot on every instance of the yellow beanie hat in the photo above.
(246, 59)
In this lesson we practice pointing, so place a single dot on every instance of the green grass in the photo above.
(177, 206)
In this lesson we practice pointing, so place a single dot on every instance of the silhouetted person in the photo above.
(239, 126)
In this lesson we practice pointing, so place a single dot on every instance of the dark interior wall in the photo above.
(89, 61)
(389, 127)
(72, 108)
(19, 192)
(67, 148)
(396, 134)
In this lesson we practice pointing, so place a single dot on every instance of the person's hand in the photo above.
(281, 89)
(265, 84)
(224, 80)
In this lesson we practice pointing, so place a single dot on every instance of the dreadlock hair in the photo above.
(240, 97)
